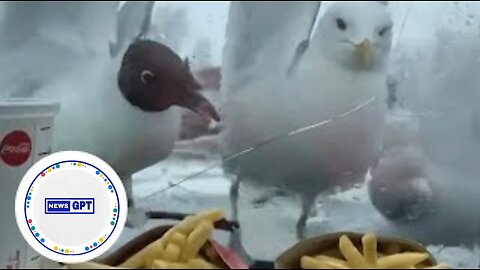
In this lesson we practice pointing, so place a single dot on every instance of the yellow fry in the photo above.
(351, 253)
(178, 238)
(403, 260)
(197, 263)
(438, 266)
(212, 215)
(191, 264)
(171, 253)
(145, 257)
(369, 243)
(333, 265)
(161, 264)
(197, 239)
(191, 222)
(183, 227)
(333, 262)
(188, 224)
(90, 265)
(307, 262)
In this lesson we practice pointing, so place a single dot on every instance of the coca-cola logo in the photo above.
(15, 148)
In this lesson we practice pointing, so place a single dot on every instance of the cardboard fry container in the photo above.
(26, 127)
(328, 245)
(228, 258)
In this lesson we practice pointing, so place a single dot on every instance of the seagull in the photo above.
(124, 110)
(429, 184)
(134, 20)
(340, 80)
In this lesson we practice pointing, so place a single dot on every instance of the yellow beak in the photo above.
(365, 53)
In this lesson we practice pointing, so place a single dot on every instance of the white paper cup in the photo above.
(26, 127)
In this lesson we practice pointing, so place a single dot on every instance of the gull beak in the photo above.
(364, 52)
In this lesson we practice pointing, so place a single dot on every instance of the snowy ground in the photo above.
(269, 229)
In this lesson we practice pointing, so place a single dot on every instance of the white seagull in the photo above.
(341, 80)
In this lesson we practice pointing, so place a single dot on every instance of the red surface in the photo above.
(15, 148)
(229, 256)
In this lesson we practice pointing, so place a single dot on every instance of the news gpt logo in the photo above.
(71, 207)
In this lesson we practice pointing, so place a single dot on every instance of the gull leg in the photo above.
(307, 202)
(136, 217)
(234, 196)
(235, 241)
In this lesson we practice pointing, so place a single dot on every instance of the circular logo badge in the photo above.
(71, 207)
(15, 148)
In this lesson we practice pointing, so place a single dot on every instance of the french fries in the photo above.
(369, 242)
(190, 264)
(197, 239)
(405, 259)
(312, 263)
(351, 253)
(333, 262)
(352, 258)
(90, 265)
(180, 245)
(178, 248)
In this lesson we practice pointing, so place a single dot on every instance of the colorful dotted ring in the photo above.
(71, 210)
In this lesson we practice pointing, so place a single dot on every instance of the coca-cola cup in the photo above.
(26, 127)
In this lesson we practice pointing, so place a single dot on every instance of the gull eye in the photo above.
(147, 76)
(341, 24)
(384, 30)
